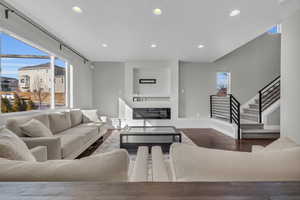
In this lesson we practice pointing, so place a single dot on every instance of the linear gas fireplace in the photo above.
(151, 113)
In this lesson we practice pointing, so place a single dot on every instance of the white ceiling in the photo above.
(129, 27)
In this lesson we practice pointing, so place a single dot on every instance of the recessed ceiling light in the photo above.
(77, 9)
(153, 46)
(200, 46)
(234, 13)
(104, 45)
(157, 11)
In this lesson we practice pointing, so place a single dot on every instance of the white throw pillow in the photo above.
(35, 128)
(90, 116)
(13, 148)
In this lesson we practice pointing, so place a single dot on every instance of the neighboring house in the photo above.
(38, 77)
(9, 84)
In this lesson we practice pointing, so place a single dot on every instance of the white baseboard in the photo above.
(224, 127)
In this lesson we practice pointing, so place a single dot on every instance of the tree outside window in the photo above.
(26, 76)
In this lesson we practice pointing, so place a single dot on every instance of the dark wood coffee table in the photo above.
(134, 136)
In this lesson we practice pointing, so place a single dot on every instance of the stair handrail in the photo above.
(234, 111)
(264, 92)
(269, 84)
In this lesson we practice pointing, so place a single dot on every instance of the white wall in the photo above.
(290, 70)
(82, 72)
(171, 85)
(162, 76)
(274, 118)
(108, 82)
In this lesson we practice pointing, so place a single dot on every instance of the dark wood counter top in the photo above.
(149, 191)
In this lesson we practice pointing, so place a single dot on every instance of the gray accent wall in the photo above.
(108, 87)
(196, 84)
(290, 70)
(252, 67)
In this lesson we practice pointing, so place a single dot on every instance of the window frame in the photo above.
(67, 66)
(229, 80)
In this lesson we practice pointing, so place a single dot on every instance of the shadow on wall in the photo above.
(125, 116)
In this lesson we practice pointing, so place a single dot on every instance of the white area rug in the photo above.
(113, 143)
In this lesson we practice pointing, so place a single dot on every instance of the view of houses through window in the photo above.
(223, 83)
(27, 76)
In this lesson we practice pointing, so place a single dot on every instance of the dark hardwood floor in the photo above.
(208, 138)
(211, 138)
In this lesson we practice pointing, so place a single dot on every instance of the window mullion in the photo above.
(67, 84)
(52, 77)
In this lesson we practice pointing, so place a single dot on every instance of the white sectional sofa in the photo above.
(279, 161)
(190, 163)
(108, 167)
(73, 132)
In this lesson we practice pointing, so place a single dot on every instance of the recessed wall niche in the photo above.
(161, 87)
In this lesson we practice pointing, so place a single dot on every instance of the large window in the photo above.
(31, 79)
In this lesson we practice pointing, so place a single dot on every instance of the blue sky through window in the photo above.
(10, 66)
(274, 30)
(223, 80)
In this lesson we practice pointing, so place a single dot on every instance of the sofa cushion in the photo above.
(90, 116)
(59, 121)
(14, 124)
(75, 138)
(93, 124)
(35, 128)
(281, 144)
(76, 117)
(13, 148)
(106, 167)
(204, 164)
(71, 144)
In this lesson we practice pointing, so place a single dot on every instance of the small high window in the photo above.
(223, 83)
(275, 30)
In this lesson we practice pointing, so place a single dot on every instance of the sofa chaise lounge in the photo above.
(279, 161)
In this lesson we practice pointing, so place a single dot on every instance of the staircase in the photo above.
(249, 120)
(251, 117)
(226, 108)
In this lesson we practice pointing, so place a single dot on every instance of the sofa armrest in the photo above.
(104, 167)
(160, 171)
(53, 145)
(40, 153)
(140, 169)
(257, 148)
